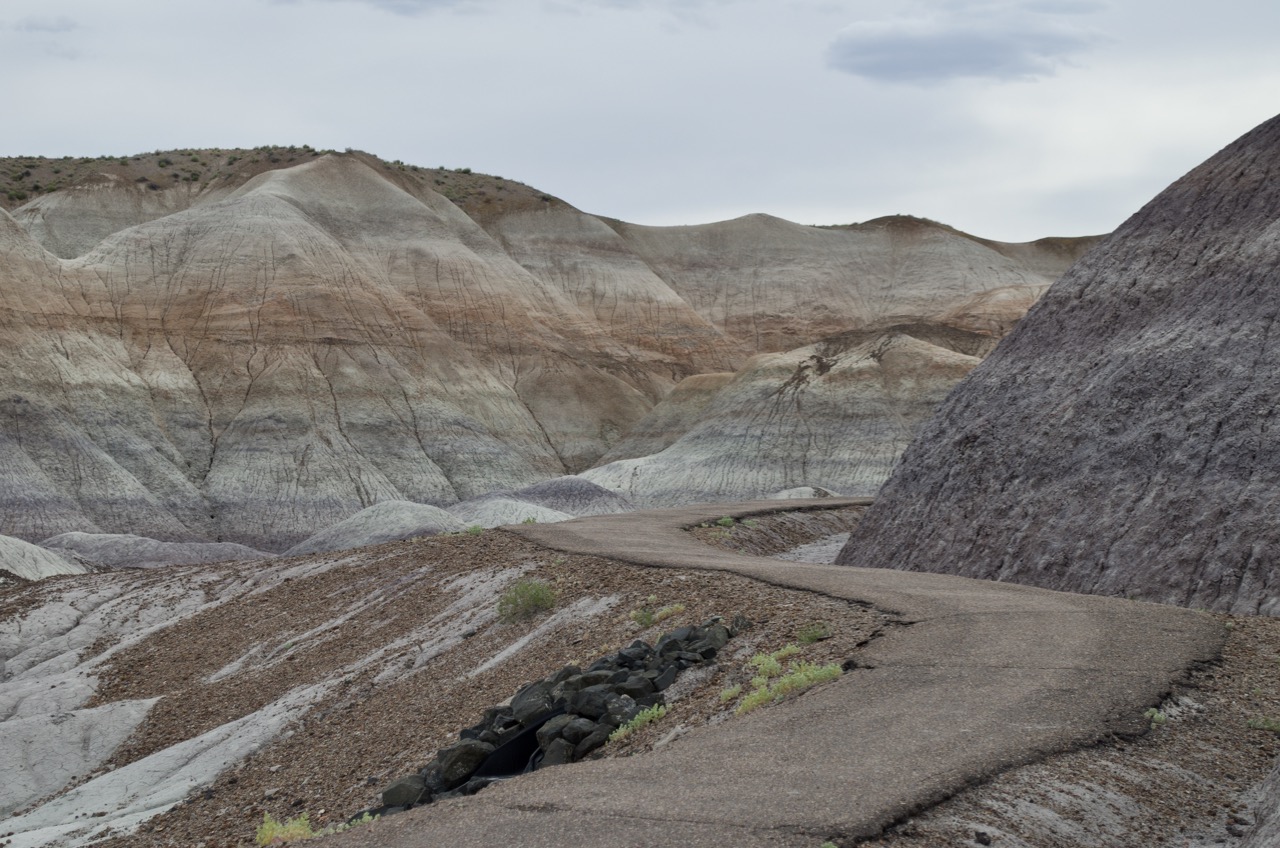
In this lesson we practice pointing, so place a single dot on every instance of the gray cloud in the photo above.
(1021, 43)
(400, 7)
(1065, 7)
(58, 24)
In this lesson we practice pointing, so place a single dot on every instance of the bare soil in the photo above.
(364, 734)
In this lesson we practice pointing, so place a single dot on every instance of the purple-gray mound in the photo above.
(574, 495)
(1121, 440)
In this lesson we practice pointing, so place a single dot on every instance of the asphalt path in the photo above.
(975, 678)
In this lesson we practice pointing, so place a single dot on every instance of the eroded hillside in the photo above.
(275, 339)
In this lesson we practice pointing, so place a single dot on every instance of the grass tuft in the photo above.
(771, 685)
(525, 599)
(815, 632)
(644, 717)
(647, 616)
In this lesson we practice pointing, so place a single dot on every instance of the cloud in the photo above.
(401, 7)
(1025, 41)
(58, 24)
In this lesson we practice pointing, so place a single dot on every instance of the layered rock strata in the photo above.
(836, 414)
(251, 346)
(1120, 440)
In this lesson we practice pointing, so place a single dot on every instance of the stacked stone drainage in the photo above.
(560, 719)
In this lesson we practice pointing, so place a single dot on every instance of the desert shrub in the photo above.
(272, 832)
(771, 685)
(1265, 723)
(644, 717)
(647, 616)
(815, 632)
(293, 830)
(525, 599)
(727, 521)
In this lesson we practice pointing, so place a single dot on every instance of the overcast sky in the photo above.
(1011, 119)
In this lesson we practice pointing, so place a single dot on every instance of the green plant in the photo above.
(771, 685)
(731, 693)
(750, 522)
(525, 599)
(646, 616)
(293, 830)
(642, 718)
(530, 520)
(474, 530)
(1264, 723)
(297, 829)
(815, 632)
(1156, 717)
(727, 521)
(766, 664)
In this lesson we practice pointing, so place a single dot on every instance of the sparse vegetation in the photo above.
(1156, 717)
(530, 520)
(643, 718)
(815, 632)
(474, 530)
(526, 598)
(1265, 723)
(727, 521)
(294, 830)
(647, 616)
(772, 683)
(272, 832)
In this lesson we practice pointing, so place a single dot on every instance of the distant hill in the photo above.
(251, 345)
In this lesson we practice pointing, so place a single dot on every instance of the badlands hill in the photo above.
(1120, 440)
(250, 346)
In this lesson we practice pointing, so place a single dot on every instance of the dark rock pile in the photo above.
(560, 719)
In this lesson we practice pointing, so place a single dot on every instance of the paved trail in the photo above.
(981, 676)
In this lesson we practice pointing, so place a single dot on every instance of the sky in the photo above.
(1010, 119)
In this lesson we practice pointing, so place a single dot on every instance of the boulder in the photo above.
(459, 761)
(405, 792)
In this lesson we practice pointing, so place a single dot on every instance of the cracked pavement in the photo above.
(980, 677)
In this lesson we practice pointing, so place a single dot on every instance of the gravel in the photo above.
(398, 689)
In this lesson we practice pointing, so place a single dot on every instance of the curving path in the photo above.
(981, 677)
